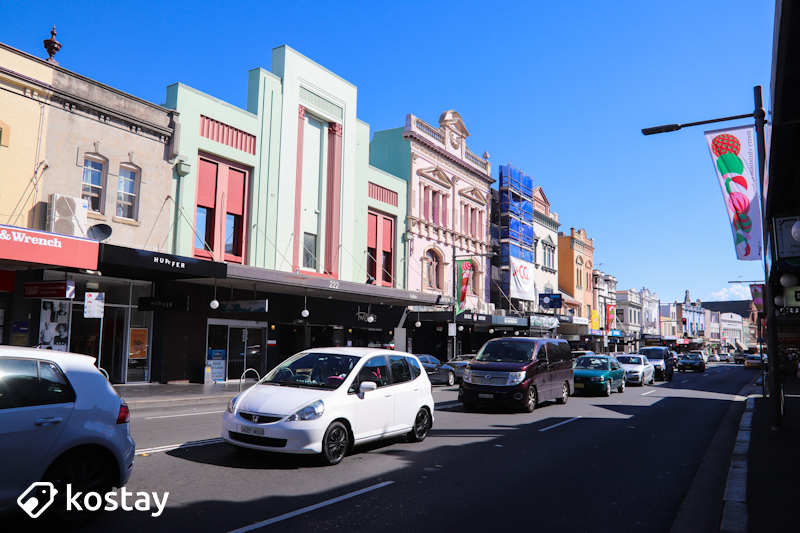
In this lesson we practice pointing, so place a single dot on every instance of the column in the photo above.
(298, 189)
(333, 201)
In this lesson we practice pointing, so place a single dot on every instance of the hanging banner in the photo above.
(464, 268)
(522, 285)
(595, 319)
(611, 316)
(734, 154)
(757, 291)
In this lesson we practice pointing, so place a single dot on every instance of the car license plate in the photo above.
(579, 385)
(488, 396)
(259, 432)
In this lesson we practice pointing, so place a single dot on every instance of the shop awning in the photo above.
(740, 346)
(133, 263)
(21, 248)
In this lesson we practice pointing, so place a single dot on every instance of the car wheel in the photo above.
(335, 444)
(622, 386)
(530, 399)
(451, 379)
(86, 472)
(564, 394)
(608, 388)
(422, 424)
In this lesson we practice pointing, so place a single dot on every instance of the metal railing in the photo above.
(241, 379)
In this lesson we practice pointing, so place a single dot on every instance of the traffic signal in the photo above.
(684, 321)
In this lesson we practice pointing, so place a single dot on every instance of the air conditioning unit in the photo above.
(67, 215)
(500, 312)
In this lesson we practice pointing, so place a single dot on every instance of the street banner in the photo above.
(734, 154)
(757, 291)
(611, 316)
(522, 285)
(464, 268)
(595, 319)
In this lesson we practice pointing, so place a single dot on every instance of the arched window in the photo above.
(432, 270)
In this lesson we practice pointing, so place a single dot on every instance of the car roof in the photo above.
(354, 351)
(65, 360)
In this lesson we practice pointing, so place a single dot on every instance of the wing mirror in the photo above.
(367, 386)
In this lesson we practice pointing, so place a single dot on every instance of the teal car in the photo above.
(598, 373)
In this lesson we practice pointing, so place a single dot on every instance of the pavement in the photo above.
(761, 490)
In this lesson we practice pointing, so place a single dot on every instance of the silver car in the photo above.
(638, 369)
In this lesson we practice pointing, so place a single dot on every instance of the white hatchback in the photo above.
(325, 400)
(61, 422)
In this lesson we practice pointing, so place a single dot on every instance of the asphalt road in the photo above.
(622, 463)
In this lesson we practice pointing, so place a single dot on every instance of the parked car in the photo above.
(738, 357)
(598, 373)
(438, 372)
(638, 369)
(459, 364)
(691, 361)
(518, 372)
(661, 358)
(726, 357)
(326, 400)
(753, 361)
(714, 358)
(703, 354)
(61, 422)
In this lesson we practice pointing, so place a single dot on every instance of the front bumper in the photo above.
(302, 436)
(511, 395)
(589, 386)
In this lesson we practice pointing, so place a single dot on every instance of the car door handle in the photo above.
(388, 394)
(47, 421)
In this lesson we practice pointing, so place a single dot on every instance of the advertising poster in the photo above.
(757, 291)
(522, 285)
(138, 347)
(733, 151)
(216, 360)
(595, 319)
(94, 304)
(54, 325)
(611, 316)
(464, 268)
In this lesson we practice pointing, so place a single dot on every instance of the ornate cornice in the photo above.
(546, 221)
(424, 145)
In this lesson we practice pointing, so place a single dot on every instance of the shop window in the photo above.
(127, 193)
(380, 248)
(93, 184)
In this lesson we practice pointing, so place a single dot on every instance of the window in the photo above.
(204, 220)
(93, 182)
(53, 386)
(416, 371)
(221, 212)
(400, 370)
(380, 248)
(127, 186)
(432, 277)
(375, 370)
(19, 383)
(309, 251)
(233, 233)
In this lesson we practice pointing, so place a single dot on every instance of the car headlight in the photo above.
(311, 411)
(597, 378)
(467, 377)
(232, 403)
(515, 377)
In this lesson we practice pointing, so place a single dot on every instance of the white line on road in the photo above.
(648, 392)
(170, 447)
(310, 508)
(187, 414)
(685, 381)
(560, 423)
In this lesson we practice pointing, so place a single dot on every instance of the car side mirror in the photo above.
(367, 386)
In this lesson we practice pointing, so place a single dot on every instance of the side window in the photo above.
(400, 369)
(127, 193)
(19, 383)
(53, 386)
(424, 359)
(541, 353)
(375, 370)
(93, 184)
(416, 371)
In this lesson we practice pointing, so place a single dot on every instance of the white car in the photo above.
(326, 400)
(638, 369)
(61, 422)
(702, 353)
(714, 358)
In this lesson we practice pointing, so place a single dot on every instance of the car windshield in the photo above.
(506, 352)
(692, 356)
(629, 360)
(591, 363)
(652, 353)
(316, 369)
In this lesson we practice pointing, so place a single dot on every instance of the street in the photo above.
(622, 463)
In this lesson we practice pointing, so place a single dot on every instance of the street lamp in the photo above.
(455, 289)
(760, 118)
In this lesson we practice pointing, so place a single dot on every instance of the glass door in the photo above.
(113, 350)
(245, 350)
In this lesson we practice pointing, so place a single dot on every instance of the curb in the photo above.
(173, 402)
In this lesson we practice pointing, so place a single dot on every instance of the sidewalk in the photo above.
(773, 466)
(155, 395)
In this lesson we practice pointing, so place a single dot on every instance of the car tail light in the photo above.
(124, 414)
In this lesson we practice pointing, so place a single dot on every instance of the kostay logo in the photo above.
(41, 495)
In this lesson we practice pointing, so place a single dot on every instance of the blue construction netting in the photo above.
(509, 249)
(512, 178)
(515, 205)
(516, 230)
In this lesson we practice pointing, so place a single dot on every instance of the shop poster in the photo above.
(54, 325)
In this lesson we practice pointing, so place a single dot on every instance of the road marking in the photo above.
(187, 414)
(171, 447)
(560, 424)
(648, 392)
(685, 381)
(310, 508)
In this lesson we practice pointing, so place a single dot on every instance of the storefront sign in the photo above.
(649, 337)
(179, 266)
(173, 303)
(94, 304)
(41, 247)
(138, 344)
(597, 332)
(49, 289)
(615, 333)
(550, 301)
(545, 322)
(573, 338)
(509, 320)
(522, 285)
(216, 360)
(475, 317)
(244, 306)
(580, 320)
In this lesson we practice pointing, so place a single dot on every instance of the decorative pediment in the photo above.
(538, 194)
(547, 240)
(451, 119)
(472, 193)
(436, 175)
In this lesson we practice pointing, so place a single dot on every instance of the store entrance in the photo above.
(242, 343)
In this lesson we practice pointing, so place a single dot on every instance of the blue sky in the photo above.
(561, 89)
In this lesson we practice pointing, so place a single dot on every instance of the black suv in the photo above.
(661, 358)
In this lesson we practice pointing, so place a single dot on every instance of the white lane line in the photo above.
(648, 392)
(685, 381)
(170, 447)
(560, 423)
(310, 508)
(187, 414)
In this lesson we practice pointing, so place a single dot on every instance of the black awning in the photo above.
(130, 263)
